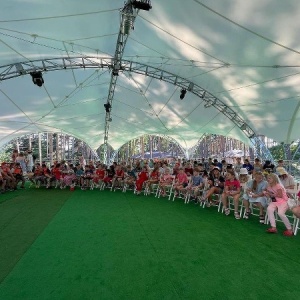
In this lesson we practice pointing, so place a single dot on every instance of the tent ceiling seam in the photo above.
(245, 28)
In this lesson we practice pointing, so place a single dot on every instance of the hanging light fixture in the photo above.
(37, 78)
(182, 93)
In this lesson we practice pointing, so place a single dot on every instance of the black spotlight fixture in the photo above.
(107, 107)
(182, 93)
(143, 4)
(37, 78)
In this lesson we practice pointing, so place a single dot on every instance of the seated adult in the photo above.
(254, 193)
(216, 185)
(286, 179)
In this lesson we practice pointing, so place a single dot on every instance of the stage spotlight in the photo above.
(37, 78)
(143, 4)
(107, 107)
(182, 93)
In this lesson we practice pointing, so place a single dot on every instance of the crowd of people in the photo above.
(259, 185)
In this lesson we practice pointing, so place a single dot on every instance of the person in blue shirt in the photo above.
(248, 166)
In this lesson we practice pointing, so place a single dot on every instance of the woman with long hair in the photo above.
(277, 193)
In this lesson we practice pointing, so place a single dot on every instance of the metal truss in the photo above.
(11, 71)
(128, 15)
(297, 151)
(116, 65)
(24, 68)
(261, 150)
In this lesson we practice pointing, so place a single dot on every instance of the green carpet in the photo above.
(105, 245)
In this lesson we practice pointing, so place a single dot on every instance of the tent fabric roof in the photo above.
(246, 53)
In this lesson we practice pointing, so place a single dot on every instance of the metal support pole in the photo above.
(40, 148)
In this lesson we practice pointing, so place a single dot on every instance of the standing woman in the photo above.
(21, 160)
(29, 161)
(279, 199)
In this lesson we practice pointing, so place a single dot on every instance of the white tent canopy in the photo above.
(245, 53)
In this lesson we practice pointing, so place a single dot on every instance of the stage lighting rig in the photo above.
(107, 107)
(143, 4)
(182, 93)
(37, 78)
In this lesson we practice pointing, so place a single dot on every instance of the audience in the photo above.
(190, 178)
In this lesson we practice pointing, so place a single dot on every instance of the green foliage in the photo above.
(294, 148)
(277, 152)
(6, 152)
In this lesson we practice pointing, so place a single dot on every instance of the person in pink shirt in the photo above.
(165, 181)
(277, 193)
(181, 181)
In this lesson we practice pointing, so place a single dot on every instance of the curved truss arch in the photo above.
(54, 64)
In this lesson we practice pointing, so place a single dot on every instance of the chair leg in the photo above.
(296, 225)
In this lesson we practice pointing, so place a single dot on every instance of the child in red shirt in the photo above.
(232, 189)
(142, 177)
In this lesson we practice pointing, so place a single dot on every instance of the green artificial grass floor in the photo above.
(59, 244)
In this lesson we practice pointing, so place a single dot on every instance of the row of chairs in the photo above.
(186, 195)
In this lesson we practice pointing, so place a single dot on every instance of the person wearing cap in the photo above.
(244, 177)
(285, 179)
